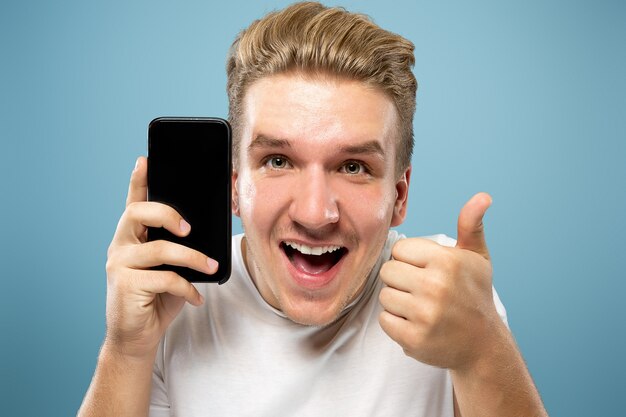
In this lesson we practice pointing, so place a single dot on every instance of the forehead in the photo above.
(320, 110)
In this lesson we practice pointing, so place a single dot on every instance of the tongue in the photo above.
(313, 264)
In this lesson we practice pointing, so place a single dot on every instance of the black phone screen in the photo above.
(189, 168)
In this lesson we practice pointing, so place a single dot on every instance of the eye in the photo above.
(353, 168)
(277, 162)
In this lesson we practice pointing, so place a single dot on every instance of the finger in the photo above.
(416, 251)
(401, 275)
(470, 229)
(138, 187)
(140, 215)
(159, 282)
(397, 328)
(398, 303)
(162, 252)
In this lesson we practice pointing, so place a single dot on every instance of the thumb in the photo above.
(138, 187)
(470, 229)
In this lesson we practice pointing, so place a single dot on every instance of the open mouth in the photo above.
(313, 260)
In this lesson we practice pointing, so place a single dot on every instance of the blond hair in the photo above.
(314, 39)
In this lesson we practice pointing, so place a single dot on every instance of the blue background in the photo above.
(526, 100)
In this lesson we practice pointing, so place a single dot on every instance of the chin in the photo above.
(312, 312)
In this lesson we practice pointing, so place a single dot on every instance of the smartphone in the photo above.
(189, 168)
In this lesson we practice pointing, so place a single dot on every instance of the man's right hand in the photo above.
(141, 302)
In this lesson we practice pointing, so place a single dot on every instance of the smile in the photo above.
(313, 260)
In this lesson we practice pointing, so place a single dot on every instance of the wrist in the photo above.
(126, 354)
(121, 384)
(495, 346)
(497, 382)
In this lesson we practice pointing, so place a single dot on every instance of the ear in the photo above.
(402, 194)
(234, 193)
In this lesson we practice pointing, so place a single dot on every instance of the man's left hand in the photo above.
(438, 302)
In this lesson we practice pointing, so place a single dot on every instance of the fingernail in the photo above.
(136, 165)
(212, 265)
(184, 226)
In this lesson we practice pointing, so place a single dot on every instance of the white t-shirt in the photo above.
(238, 356)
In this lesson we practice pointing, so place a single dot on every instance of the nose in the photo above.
(314, 204)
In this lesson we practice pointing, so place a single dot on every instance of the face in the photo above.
(316, 190)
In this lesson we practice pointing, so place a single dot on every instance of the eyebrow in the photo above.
(267, 142)
(365, 148)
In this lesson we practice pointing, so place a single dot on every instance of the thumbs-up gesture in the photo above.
(438, 302)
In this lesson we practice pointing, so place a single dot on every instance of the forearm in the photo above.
(120, 386)
(499, 384)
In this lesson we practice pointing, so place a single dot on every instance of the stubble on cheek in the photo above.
(246, 192)
(384, 209)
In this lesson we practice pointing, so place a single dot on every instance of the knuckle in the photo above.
(168, 211)
(385, 270)
(190, 256)
(397, 247)
(132, 215)
(112, 260)
(449, 259)
(440, 289)
(109, 266)
(395, 267)
(415, 304)
(162, 250)
(429, 318)
(114, 281)
(111, 251)
(168, 217)
(382, 321)
(413, 341)
(409, 351)
(444, 253)
(401, 247)
(177, 284)
(169, 278)
(383, 296)
(132, 210)
(185, 254)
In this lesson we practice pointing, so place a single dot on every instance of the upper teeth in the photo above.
(308, 250)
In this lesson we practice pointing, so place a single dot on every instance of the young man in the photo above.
(327, 312)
